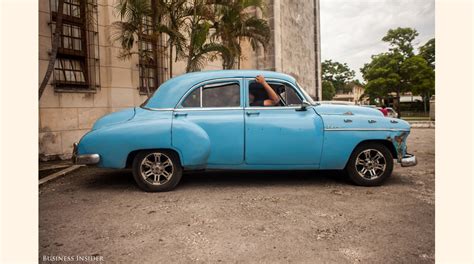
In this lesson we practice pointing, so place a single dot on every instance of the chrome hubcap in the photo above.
(370, 164)
(156, 168)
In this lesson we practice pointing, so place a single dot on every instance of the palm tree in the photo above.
(199, 50)
(171, 21)
(129, 30)
(235, 22)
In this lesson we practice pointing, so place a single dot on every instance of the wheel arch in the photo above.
(131, 155)
(383, 142)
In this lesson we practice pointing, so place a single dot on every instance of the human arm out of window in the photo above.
(274, 98)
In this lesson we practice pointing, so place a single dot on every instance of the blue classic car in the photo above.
(230, 120)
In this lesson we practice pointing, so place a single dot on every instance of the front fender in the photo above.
(342, 136)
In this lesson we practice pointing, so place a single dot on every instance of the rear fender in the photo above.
(114, 143)
(192, 142)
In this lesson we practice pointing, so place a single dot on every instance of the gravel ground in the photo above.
(244, 217)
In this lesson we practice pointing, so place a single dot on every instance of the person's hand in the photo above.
(260, 79)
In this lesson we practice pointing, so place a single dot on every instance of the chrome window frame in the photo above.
(200, 85)
(246, 95)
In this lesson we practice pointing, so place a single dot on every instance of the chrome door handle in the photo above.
(180, 114)
(249, 113)
(371, 121)
(347, 120)
(393, 121)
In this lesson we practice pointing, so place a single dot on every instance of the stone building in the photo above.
(89, 80)
(354, 95)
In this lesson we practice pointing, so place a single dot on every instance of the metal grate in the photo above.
(153, 68)
(77, 66)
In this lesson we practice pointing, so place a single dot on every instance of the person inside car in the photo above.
(384, 110)
(273, 98)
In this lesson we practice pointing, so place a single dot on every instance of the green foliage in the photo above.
(400, 40)
(328, 90)
(188, 26)
(200, 49)
(382, 75)
(339, 74)
(234, 23)
(400, 70)
(129, 29)
(427, 51)
(419, 75)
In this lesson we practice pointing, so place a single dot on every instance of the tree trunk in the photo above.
(190, 55)
(188, 65)
(425, 99)
(171, 60)
(147, 71)
(398, 103)
(55, 46)
(238, 61)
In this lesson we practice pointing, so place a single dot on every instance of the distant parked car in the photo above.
(204, 120)
(390, 112)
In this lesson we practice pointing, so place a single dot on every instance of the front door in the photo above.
(282, 135)
(216, 107)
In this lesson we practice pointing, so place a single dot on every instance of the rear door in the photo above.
(217, 107)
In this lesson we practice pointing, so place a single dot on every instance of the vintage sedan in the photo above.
(206, 120)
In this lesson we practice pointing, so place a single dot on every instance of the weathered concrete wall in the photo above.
(297, 55)
(294, 44)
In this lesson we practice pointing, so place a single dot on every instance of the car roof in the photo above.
(171, 91)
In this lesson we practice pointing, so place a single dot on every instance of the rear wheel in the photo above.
(370, 164)
(157, 170)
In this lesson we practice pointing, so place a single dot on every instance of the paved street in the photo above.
(265, 217)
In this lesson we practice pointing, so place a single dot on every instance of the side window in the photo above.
(224, 95)
(214, 95)
(288, 95)
(193, 99)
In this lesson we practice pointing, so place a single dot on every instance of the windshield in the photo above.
(306, 95)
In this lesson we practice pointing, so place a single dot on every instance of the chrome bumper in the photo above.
(86, 159)
(409, 160)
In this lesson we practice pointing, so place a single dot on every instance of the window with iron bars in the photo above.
(152, 67)
(77, 64)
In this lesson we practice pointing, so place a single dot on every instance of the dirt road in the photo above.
(235, 217)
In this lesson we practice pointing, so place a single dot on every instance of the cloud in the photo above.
(352, 30)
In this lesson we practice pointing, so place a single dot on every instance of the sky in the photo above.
(352, 30)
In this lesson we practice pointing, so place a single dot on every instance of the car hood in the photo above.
(115, 118)
(329, 109)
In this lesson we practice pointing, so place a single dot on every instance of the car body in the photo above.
(204, 120)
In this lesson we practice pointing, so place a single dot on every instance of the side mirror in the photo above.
(303, 107)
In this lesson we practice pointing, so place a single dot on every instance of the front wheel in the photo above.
(157, 170)
(370, 164)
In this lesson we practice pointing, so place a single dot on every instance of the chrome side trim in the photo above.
(275, 80)
(157, 109)
(365, 129)
(409, 160)
(207, 109)
(271, 107)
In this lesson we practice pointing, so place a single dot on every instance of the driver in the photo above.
(274, 99)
